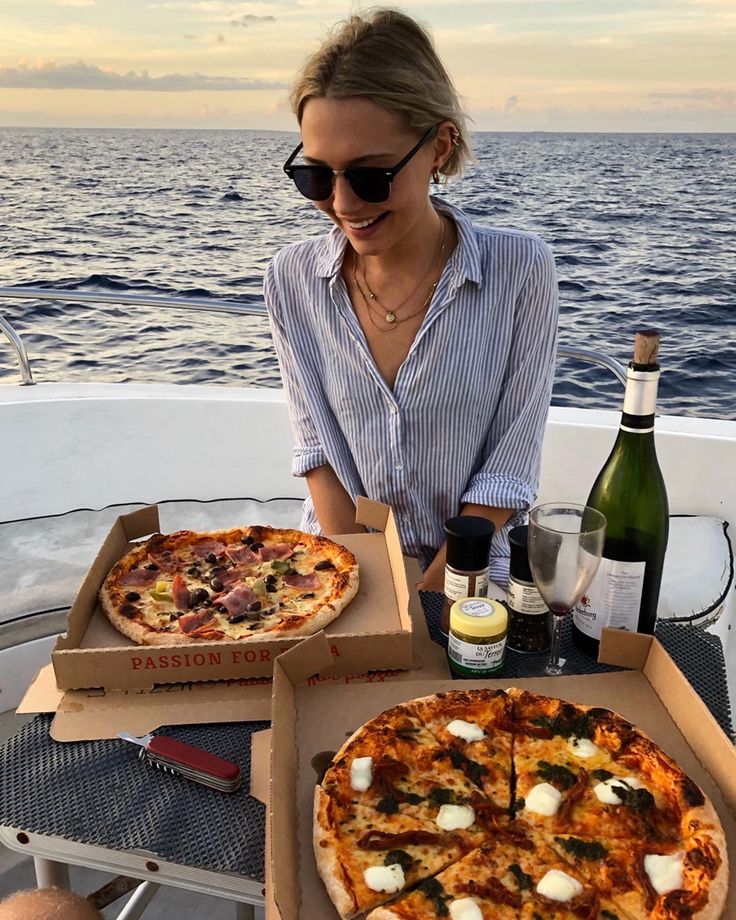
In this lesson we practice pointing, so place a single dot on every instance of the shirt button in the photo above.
(394, 410)
(399, 466)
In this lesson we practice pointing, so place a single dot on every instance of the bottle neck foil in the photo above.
(640, 400)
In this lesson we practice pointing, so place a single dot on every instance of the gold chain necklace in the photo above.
(390, 316)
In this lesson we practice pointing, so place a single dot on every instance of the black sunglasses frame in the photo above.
(356, 175)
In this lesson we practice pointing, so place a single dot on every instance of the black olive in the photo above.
(216, 584)
(211, 558)
(325, 564)
(173, 617)
(198, 596)
(205, 603)
(193, 570)
(152, 567)
(255, 626)
(255, 546)
(254, 607)
(236, 618)
(132, 596)
(221, 608)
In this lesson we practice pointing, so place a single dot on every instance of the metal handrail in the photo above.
(206, 305)
(26, 377)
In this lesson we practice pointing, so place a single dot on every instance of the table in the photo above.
(94, 803)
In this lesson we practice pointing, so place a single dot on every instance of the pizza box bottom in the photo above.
(307, 722)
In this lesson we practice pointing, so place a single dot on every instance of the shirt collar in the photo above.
(331, 248)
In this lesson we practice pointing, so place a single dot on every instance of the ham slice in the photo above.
(205, 547)
(238, 600)
(241, 554)
(188, 622)
(166, 561)
(303, 582)
(276, 551)
(180, 593)
(139, 578)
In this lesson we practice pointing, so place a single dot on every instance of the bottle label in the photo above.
(459, 585)
(525, 598)
(613, 598)
(483, 657)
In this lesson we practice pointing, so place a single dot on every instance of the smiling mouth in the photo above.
(361, 225)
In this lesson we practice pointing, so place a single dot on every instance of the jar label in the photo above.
(613, 598)
(458, 585)
(482, 657)
(475, 608)
(525, 598)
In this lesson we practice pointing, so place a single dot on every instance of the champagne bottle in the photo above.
(630, 492)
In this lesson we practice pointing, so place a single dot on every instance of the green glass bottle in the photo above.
(630, 492)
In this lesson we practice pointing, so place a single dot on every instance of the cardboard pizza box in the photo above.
(654, 695)
(373, 632)
(92, 714)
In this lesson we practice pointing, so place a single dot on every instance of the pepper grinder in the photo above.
(466, 564)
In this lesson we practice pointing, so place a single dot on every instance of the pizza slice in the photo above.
(554, 889)
(394, 765)
(647, 878)
(365, 857)
(484, 885)
(475, 727)
(579, 769)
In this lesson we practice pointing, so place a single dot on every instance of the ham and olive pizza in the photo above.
(507, 805)
(236, 584)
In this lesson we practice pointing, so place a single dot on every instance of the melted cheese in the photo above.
(385, 878)
(665, 872)
(468, 731)
(452, 817)
(543, 799)
(582, 747)
(361, 773)
(605, 792)
(465, 909)
(559, 886)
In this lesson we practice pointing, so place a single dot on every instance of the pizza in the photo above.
(238, 584)
(509, 805)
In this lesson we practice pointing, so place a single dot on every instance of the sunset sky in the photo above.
(564, 65)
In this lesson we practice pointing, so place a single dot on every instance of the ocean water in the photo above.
(642, 227)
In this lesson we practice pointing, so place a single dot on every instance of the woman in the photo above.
(416, 349)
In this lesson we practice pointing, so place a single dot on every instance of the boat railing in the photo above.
(201, 304)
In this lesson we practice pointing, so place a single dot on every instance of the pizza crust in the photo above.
(328, 858)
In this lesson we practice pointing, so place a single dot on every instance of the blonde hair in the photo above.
(388, 57)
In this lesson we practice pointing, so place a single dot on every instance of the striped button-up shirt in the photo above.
(465, 419)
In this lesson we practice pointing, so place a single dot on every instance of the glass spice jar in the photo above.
(530, 622)
(466, 563)
(477, 642)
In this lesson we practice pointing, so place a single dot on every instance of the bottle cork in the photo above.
(646, 345)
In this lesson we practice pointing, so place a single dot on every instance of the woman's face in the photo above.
(356, 132)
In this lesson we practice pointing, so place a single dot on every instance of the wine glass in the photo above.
(565, 546)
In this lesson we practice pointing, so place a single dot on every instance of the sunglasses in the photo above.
(371, 183)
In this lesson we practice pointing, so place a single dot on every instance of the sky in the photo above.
(519, 65)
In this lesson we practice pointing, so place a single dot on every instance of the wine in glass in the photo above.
(565, 546)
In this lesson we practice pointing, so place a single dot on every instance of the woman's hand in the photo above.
(434, 576)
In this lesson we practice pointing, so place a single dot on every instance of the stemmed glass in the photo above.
(565, 546)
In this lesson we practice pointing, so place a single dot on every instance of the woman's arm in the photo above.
(333, 506)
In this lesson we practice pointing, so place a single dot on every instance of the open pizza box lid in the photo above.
(654, 695)
(84, 715)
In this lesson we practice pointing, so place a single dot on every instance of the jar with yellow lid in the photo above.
(477, 642)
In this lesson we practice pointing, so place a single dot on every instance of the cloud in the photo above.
(724, 99)
(249, 19)
(50, 75)
(511, 103)
(75, 2)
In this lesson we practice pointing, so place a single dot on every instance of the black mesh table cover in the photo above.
(100, 793)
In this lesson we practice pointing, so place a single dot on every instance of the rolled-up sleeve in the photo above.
(308, 451)
(508, 476)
